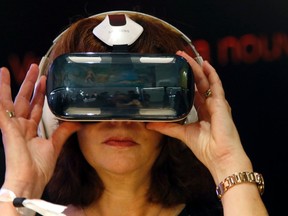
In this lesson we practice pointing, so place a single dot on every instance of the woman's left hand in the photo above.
(214, 138)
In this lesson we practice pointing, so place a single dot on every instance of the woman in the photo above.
(128, 167)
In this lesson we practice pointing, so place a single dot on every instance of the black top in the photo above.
(202, 209)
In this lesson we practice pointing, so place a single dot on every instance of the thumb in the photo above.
(62, 133)
(175, 130)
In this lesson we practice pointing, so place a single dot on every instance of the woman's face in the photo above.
(119, 147)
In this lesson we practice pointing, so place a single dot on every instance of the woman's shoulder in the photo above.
(72, 210)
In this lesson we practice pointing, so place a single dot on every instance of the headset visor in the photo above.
(120, 86)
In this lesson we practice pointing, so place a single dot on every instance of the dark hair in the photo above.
(177, 175)
(157, 37)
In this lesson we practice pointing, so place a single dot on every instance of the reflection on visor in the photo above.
(124, 86)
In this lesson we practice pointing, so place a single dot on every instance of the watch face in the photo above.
(120, 86)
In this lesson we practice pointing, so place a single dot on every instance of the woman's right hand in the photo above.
(30, 159)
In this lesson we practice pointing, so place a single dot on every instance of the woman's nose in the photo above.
(119, 123)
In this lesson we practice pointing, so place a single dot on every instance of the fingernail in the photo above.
(30, 66)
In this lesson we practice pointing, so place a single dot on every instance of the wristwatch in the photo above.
(238, 178)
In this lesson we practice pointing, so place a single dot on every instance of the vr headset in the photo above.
(119, 85)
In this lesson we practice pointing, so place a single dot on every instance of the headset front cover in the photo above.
(120, 86)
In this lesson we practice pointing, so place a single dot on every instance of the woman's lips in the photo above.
(120, 142)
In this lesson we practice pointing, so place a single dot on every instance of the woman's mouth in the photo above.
(120, 142)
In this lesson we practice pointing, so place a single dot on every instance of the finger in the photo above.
(201, 81)
(217, 101)
(5, 90)
(214, 80)
(4, 118)
(201, 108)
(188, 134)
(38, 100)
(22, 100)
(170, 129)
(62, 133)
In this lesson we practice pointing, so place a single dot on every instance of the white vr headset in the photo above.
(118, 85)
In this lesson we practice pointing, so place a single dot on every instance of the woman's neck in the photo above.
(148, 209)
(127, 196)
(124, 194)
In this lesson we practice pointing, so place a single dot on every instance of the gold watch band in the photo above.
(238, 178)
